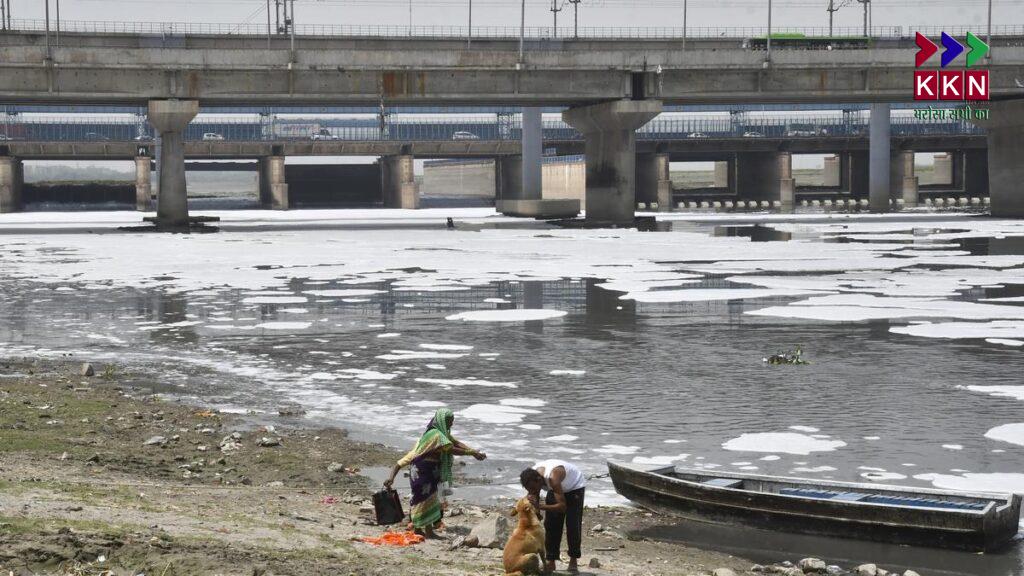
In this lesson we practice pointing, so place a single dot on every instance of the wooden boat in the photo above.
(974, 521)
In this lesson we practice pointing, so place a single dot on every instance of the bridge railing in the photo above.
(468, 129)
(462, 32)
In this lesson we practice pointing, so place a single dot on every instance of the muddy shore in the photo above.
(100, 476)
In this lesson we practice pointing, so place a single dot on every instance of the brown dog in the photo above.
(524, 552)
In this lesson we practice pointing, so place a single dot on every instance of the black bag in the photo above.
(388, 507)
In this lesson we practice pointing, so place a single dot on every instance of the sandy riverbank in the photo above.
(97, 467)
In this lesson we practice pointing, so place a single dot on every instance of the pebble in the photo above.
(866, 570)
(87, 370)
(813, 566)
(594, 563)
(268, 442)
(723, 572)
(155, 441)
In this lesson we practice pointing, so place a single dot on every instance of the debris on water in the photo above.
(795, 357)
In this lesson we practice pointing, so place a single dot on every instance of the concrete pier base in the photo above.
(879, 192)
(902, 179)
(143, 183)
(653, 185)
(721, 175)
(942, 172)
(1006, 157)
(831, 172)
(787, 184)
(273, 183)
(766, 177)
(170, 118)
(398, 182)
(609, 130)
(12, 180)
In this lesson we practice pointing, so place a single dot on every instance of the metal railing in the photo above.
(461, 32)
(213, 129)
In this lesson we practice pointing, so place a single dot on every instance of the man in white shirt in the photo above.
(566, 487)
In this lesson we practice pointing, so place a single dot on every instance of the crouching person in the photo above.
(565, 485)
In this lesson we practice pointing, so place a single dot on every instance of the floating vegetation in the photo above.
(795, 357)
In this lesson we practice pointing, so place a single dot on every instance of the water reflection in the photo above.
(756, 233)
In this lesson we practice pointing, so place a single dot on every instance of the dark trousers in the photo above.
(572, 520)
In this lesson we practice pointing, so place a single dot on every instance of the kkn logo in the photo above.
(950, 84)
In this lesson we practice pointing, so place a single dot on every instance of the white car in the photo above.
(462, 135)
(323, 134)
(212, 136)
(753, 135)
(697, 135)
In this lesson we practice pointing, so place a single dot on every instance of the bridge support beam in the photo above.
(855, 174)
(831, 172)
(653, 185)
(902, 179)
(533, 150)
(721, 175)
(143, 183)
(766, 176)
(976, 173)
(398, 182)
(879, 146)
(273, 183)
(171, 118)
(12, 178)
(609, 131)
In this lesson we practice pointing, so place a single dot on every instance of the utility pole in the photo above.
(988, 34)
(555, 9)
(522, 29)
(865, 3)
(48, 58)
(768, 38)
(410, 17)
(58, 23)
(576, 18)
(291, 25)
(684, 24)
(268, 24)
(3, 14)
(831, 12)
(469, 36)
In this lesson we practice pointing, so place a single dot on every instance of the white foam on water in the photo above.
(445, 347)
(523, 402)
(1002, 330)
(284, 325)
(673, 441)
(567, 372)
(361, 374)
(400, 355)
(496, 413)
(812, 470)
(275, 300)
(771, 458)
(113, 339)
(562, 438)
(617, 449)
(1011, 433)
(524, 315)
(1003, 482)
(1015, 392)
(496, 301)
(804, 429)
(1010, 299)
(883, 476)
(953, 446)
(435, 366)
(344, 293)
(426, 404)
(711, 294)
(781, 442)
(457, 382)
(659, 460)
(530, 426)
(1005, 342)
(872, 438)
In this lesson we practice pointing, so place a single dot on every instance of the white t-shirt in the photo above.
(574, 478)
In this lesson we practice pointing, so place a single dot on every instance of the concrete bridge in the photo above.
(612, 87)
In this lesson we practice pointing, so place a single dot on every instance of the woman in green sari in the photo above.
(431, 464)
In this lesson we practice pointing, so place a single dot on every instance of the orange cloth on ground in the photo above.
(395, 539)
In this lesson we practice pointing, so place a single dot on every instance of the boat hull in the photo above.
(897, 525)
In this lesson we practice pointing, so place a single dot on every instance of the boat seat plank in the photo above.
(724, 482)
(882, 499)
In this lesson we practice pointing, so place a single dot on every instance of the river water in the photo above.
(576, 344)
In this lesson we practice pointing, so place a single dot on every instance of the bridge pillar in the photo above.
(533, 150)
(855, 174)
(880, 160)
(902, 179)
(273, 183)
(721, 174)
(171, 118)
(1006, 157)
(766, 176)
(652, 180)
(609, 131)
(11, 180)
(508, 178)
(976, 173)
(398, 182)
(831, 172)
(143, 183)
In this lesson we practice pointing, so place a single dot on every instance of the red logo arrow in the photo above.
(927, 49)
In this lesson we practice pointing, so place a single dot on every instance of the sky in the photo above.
(597, 13)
